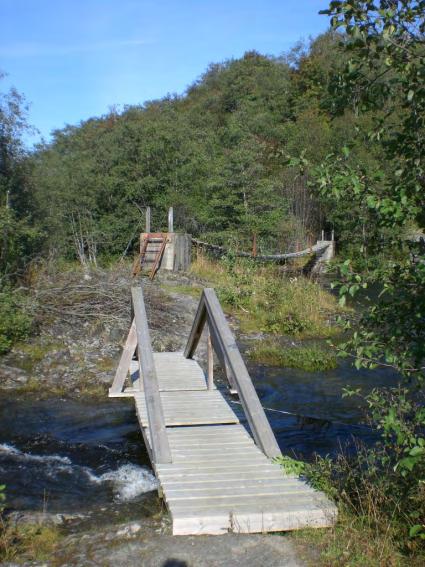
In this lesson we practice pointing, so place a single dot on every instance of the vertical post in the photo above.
(323, 235)
(170, 220)
(148, 220)
(254, 245)
(333, 235)
(210, 361)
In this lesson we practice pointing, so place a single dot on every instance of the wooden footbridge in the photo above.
(215, 475)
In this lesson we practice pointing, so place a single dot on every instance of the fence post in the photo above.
(170, 220)
(148, 220)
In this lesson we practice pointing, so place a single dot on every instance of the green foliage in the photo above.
(18, 236)
(217, 154)
(27, 542)
(16, 320)
(385, 70)
(289, 465)
(309, 358)
(383, 485)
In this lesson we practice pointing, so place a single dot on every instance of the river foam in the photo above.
(13, 452)
(129, 481)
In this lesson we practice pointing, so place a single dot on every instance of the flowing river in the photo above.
(87, 456)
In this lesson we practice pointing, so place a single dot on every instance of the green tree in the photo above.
(18, 238)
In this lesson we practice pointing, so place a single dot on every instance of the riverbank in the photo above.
(78, 447)
(81, 321)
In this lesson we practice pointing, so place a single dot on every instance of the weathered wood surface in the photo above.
(213, 477)
(188, 408)
(174, 373)
(159, 440)
(220, 481)
(209, 309)
(125, 361)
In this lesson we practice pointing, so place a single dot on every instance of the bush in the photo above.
(16, 319)
(382, 489)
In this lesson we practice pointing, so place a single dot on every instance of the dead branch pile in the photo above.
(102, 295)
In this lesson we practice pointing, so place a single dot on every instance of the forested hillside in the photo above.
(219, 154)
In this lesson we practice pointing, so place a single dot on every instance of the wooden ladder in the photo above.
(146, 239)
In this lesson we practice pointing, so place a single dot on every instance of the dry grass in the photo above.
(72, 296)
(375, 509)
(29, 542)
(352, 542)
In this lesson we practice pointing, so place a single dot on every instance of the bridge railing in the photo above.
(222, 340)
(158, 435)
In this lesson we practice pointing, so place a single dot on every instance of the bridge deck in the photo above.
(218, 479)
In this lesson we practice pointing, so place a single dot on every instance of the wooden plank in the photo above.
(207, 429)
(187, 420)
(186, 408)
(158, 257)
(247, 521)
(148, 220)
(159, 442)
(125, 361)
(197, 328)
(270, 503)
(245, 449)
(215, 444)
(217, 472)
(195, 486)
(234, 494)
(203, 463)
(173, 373)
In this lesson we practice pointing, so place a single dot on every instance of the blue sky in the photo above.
(73, 59)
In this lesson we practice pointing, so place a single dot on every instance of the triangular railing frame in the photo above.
(221, 339)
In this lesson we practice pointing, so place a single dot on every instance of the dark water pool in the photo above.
(318, 419)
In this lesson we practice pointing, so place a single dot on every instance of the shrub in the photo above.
(16, 319)
(382, 488)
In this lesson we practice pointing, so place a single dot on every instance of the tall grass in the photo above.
(264, 299)
(311, 358)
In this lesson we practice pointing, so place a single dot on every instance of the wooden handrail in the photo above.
(224, 343)
(158, 434)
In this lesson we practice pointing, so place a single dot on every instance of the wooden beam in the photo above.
(210, 365)
(197, 328)
(159, 442)
(148, 220)
(170, 220)
(195, 335)
(125, 360)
